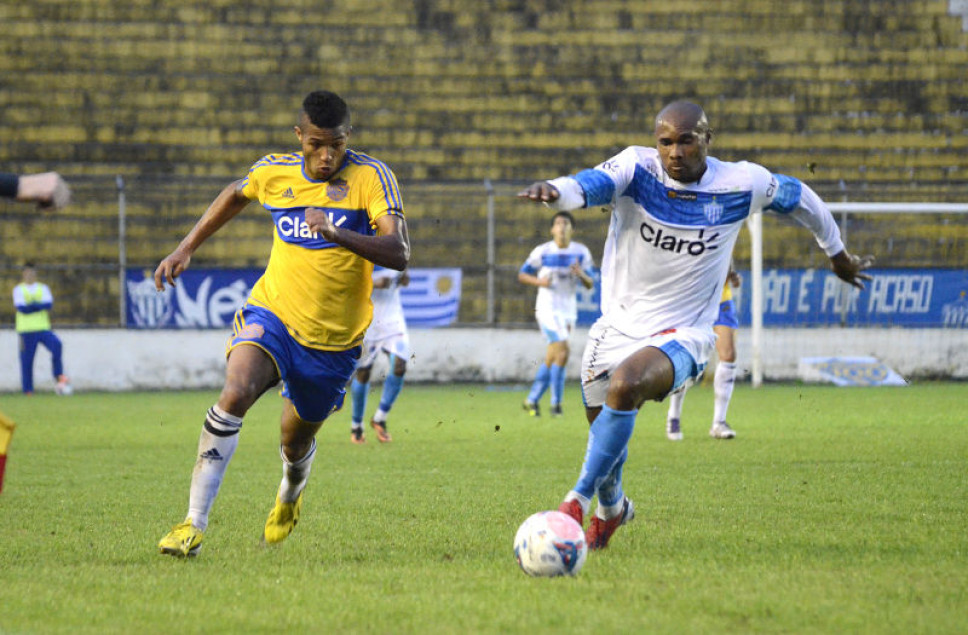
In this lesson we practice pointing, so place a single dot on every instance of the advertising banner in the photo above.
(208, 298)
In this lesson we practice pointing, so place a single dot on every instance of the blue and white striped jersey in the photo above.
(669, 243)
(548, 260)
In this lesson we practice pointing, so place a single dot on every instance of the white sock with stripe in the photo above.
(216, 445)
(295, 475)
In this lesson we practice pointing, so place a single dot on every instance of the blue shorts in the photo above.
(313, 380)
(727, 315)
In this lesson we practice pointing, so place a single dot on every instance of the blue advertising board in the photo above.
(208, 298)
(923, 298)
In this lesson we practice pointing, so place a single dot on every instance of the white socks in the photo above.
(295, 475)
(723, 387)
(216, 445)
(675, 405)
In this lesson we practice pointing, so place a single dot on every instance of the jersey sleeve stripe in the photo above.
(787, 197)
(599, 187)
(390, 189)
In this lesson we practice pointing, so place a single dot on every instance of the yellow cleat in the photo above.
(281, 521)
(183, 541)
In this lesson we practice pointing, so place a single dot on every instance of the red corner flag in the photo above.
(6, 433)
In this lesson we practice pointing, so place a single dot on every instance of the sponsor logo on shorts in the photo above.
(251, 331)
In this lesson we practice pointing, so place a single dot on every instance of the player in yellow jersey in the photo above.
(725, 377)
(336, 212)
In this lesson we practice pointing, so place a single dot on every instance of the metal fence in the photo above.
(81, 251)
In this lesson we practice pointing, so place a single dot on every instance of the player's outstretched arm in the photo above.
(390, 248)
(850, 268)
(226, 206)
(48, 189)
(540, 192)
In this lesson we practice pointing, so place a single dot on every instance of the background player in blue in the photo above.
(387, 334)
(555, 268)
(676, 214)
(335, 212)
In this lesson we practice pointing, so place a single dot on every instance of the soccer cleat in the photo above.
(556, 410)
(600, 530)
(63, 387)
(532, 408)
(673, 431)
(184, 541)
(381, 431)
(282, 519)
(722, 430)
(572, 508)
(356, 436)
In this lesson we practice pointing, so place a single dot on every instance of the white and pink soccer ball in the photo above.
(550, 544)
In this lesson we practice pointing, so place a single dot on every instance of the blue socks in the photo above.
(391, 388)
(557, 384)
(358, 391)
(540, 384)
(608, 440)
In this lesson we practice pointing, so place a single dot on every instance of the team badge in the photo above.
(337, 190)
(251, 331)
(713, 211)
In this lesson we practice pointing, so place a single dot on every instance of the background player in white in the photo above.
(725, 376)
(387, 334)
(555, 267)
(675, 218)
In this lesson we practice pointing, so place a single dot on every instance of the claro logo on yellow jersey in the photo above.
(292, 227)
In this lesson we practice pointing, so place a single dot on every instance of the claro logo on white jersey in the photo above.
(666, 241)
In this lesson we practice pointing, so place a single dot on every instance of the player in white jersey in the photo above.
(555, 268)
(387, 334)
(676, 213)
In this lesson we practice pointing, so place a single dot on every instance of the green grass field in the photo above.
(835, 510)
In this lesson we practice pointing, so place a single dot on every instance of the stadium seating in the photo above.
(865, 100)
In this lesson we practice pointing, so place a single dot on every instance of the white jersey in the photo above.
(548, 260)
(387, 309)
(669, 244)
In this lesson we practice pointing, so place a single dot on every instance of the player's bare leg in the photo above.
(647, 374)
(298, 449)
(249, 373)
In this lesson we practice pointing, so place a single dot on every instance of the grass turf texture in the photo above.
(835, 510)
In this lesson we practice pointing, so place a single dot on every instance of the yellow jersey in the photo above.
(320, 290)
(727, 293)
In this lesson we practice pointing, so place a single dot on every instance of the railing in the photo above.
(481, 227)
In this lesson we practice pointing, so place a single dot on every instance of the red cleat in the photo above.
(600, 530)
(572, 508)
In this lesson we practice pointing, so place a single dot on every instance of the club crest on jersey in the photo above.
(251, 331)
(713, 211)
(337, 189)
(669, 242)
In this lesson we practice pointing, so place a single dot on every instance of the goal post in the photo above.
(844, 209)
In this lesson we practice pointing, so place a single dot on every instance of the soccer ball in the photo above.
(550, 544)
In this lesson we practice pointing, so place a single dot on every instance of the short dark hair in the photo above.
(29, 265)
(326, 109)
(571, 219)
